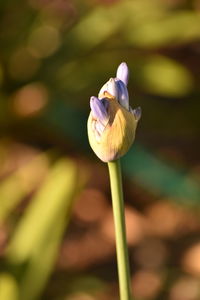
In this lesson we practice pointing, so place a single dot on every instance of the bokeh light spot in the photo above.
(44, 41)
(146, 284)
(191, 260)
(30, 99)
(91, 206)
(186, 288)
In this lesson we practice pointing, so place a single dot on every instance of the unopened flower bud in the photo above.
(112, 122)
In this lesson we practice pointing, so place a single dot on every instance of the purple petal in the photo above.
(123, 73)
(99, 109)
(123, 96)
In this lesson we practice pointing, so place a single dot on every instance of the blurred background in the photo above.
(56, 227)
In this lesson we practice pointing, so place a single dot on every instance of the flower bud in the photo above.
(112, 122)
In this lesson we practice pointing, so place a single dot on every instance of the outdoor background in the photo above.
(56, 228)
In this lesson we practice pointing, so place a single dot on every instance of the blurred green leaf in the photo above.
(84, 283)
(42, 261)
(171, 29)
(44, 210)
(163, 76)
(20, 183)
(8, 287)
(38, 235)
(94, 28)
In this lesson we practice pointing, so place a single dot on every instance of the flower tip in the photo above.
(124, 64)
(137, 112)
(94, 105)
(92, 100)
(123, 73)
(112, 88)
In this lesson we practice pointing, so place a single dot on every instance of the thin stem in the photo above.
(120, 231)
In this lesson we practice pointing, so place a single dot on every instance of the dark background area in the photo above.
(56, 227)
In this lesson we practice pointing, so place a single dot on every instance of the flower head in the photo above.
(112, 122)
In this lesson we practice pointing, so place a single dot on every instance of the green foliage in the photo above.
(37, 237)
(55, 55)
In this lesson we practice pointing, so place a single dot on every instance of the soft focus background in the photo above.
(56, 227)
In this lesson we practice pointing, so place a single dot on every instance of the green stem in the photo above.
(120, 231)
